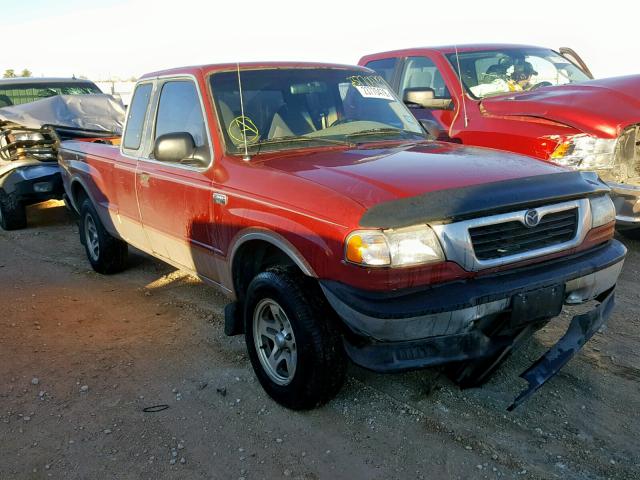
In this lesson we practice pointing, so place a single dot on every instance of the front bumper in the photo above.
(417, 328)
(478, 318)
(626, 198)
(31, 181)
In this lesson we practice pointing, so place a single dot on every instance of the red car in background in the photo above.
(528, 100)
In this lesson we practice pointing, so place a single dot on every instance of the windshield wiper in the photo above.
(294, 139)
(384, 131)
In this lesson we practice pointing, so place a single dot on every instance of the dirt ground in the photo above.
(81, 356)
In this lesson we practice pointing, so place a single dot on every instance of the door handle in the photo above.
(144, 179)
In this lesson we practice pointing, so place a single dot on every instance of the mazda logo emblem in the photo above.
(531, 218)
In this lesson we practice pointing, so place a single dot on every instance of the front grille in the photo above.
(511, 238)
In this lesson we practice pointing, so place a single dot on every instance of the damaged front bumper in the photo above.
(626, 198)
(477, 318)
(31, 181)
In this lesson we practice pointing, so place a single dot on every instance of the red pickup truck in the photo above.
(311, 196)
(528, 100)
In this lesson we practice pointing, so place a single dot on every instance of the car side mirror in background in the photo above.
(174, 147)
(425, 98)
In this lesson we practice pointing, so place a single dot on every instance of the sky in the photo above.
(126, 38)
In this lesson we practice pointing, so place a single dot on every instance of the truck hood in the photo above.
(602, 108)
(370, 176)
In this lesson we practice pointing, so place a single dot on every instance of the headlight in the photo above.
(585, 152)
(603, 211)
(397, 248)
(27, 136)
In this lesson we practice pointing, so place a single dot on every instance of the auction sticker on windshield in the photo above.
(371, 86)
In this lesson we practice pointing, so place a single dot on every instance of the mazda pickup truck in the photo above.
(528, 100)
(311, 196)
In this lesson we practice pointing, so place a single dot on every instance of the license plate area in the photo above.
(538, 304)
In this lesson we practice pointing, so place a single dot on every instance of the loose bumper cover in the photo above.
(417, 328)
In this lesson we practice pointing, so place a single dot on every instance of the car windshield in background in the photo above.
(26, 93)
(298, 107)
(496, 72)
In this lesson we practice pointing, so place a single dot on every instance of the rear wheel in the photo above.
(294, 347)
(106, 253)
(13, 214)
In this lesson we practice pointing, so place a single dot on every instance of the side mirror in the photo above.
(425, 98)
(174, 147)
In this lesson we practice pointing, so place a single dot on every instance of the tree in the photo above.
(26, 73)
(9, 73)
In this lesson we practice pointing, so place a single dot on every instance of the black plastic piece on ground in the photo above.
(580, 330)
(233, 324)
(155, 408)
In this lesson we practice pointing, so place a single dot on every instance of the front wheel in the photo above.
(294, 347)
(13, 214)
(631, 233)
(106, 253)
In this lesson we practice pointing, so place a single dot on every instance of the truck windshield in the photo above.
(287, 108)
(26, 93)
(495, 72)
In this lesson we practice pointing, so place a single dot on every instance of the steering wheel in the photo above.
(540, 85)
(340, 121)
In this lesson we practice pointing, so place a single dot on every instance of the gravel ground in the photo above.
(81, 356)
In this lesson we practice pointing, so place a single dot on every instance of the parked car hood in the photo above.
(373, 175)
(602, 108)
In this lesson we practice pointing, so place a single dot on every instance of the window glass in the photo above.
(512, 70)
(135, 118)
(26, 93)
(179, 110)
(384, 67)
(421, 72)
(287, 108)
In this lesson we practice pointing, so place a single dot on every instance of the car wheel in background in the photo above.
(106, 253)
(293, 344)
(13, 214)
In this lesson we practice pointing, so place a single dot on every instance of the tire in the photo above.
(106, 253)
(631, 233)
(311, 368)
(13, 214)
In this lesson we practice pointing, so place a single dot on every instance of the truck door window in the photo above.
(384, 67)
(421, 72)
(179, 110)
(135, 119)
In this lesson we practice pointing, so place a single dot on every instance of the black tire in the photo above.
(110, 256)
(320, 367)
(13, 214)
(631, 233)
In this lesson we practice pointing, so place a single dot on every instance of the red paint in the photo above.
(311, 198)
(531, 123)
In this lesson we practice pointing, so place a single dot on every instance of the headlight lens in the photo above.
(603, 211)
(397, 248)
(27, 136)
(585, 152)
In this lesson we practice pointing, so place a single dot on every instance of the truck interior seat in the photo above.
(292, 119)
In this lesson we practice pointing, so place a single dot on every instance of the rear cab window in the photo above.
(132, 139)
(385, 67)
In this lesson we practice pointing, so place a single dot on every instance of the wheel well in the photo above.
(253, 257)
(77, 192)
